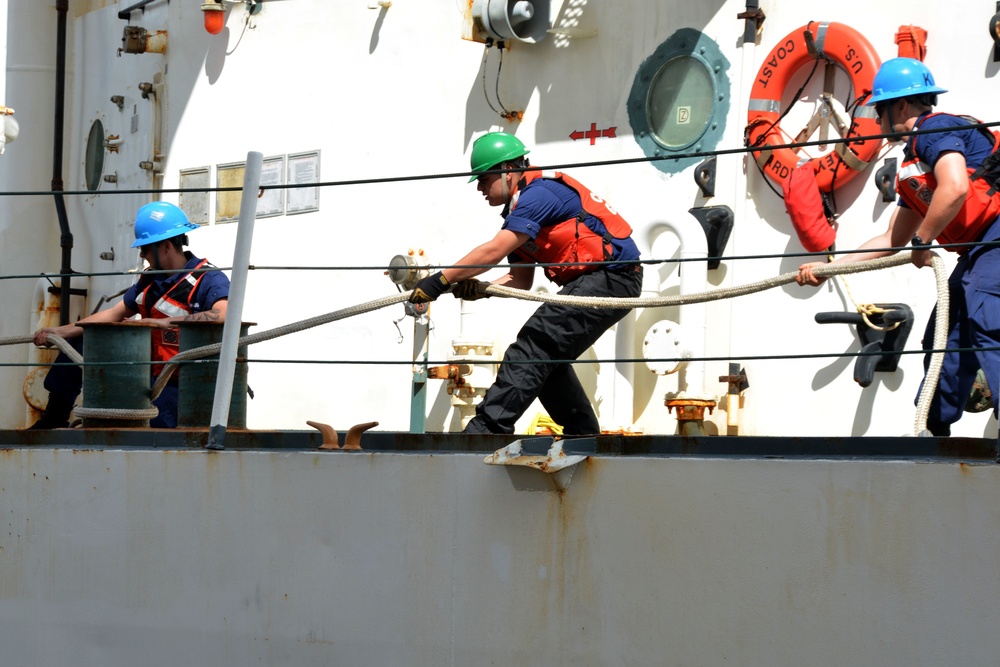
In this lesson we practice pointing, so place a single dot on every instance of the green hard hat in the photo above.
(494, 148)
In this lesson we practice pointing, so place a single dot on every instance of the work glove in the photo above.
(430, 288)
(470, 290)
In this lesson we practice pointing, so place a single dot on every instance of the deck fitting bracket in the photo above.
(555, 459)
(882, 343)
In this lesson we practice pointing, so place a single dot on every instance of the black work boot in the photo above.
(56, 413)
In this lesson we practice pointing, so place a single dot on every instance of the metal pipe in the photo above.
(234, 310)
(126, 13)
(65, 237)
(418, 396)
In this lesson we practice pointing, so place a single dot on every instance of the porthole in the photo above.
(94, 160)
(679, 102)
(680, 99)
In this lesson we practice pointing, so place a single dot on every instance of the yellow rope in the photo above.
(866, 309)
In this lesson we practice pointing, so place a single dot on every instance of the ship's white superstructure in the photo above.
(143, 554)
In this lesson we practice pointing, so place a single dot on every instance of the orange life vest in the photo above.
(915, 184)
(175, 302)
(572, 240)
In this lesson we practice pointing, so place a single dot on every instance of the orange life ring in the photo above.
(846, 48)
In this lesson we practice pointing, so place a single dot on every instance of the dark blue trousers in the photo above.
(973, 323)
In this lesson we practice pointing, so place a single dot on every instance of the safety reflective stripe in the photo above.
(767, 106)
(914, 169)
(866, 112)
(821, 38)
(170, 308)
(176, 300)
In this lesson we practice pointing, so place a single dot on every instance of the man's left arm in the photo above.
(217, 313)
(952, 178)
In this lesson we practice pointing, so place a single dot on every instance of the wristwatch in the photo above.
(918, 242)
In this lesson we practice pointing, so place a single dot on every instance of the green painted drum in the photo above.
(108, 383)
(196, 381)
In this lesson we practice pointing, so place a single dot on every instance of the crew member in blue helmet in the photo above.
(162, 299)
(943, 198)
(550, 219)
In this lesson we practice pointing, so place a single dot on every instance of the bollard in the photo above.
(116, 386)
(196, 381)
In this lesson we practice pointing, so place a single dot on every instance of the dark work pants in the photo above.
(554, 332)
(973, 322)
(67, 382)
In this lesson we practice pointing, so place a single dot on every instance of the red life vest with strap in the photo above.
(572, 240)
(915, 184)
(175, 302)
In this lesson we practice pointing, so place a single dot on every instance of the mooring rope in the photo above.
(923, 403)
(699, 297)
(63, 345)
(941, 317)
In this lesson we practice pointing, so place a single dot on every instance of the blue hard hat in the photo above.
(159, 221)
(902, 77)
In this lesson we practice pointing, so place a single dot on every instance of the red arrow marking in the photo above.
(594, 134)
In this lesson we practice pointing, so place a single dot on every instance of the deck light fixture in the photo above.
(215, 16)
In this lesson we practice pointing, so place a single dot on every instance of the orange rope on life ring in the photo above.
(844, 47)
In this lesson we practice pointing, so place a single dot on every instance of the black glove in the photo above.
(470, 290)
(430, 288)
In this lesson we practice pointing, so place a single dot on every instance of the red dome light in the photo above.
(215, 17)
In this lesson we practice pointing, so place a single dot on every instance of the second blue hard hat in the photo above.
(902, 77)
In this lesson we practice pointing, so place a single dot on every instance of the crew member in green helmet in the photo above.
(586, 248)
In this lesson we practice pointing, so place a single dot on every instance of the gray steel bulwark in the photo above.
(138, 556)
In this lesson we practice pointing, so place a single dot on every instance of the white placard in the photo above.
(272, 172)
(303, 168)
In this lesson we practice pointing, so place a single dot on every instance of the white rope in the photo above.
(136, 414)
(698, 297)
(58, 341)
(260, 337)
(940, 342)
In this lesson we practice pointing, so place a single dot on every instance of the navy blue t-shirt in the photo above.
(214, 285)
(972, 144)
(546, 202)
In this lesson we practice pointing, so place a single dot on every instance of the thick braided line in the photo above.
(14, 340)
(941, 317)
(116, 413)
(58, 341)
(260, 337)
(698, 297)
